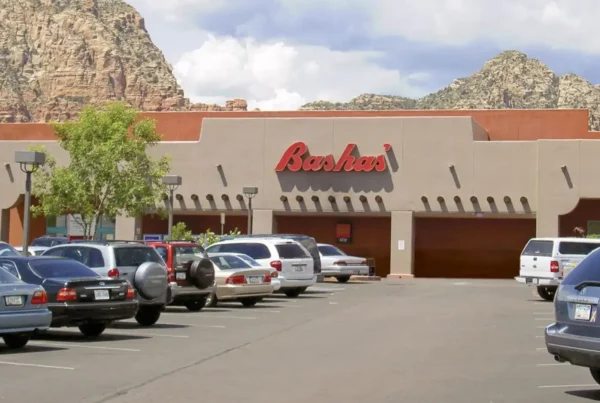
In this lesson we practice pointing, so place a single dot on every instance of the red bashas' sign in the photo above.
(293, 160)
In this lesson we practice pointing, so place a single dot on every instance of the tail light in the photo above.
(39, 297)
(113, 273)
(130, 293)
(267, 278)
(276, 264)
(236, 280)
(554, 268)
(274, 274)
(171, 274)
(66, 294)
(340, 263)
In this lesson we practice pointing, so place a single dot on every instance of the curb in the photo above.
(399, 276)
(365, 278)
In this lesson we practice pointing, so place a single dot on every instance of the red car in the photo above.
(191, 273)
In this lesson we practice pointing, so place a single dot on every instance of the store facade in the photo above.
(430, 194)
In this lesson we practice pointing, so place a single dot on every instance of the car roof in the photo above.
(227, 254)
(269, 240)
(297, 236)
(568, 239)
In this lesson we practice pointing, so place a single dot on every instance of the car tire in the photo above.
(595, 374)
(16, 340)
(294, 292)
(92, 329)
(343, 279)
(195, 305)
(211, 300)
(249, 302)
(546, 293)
(148, 315)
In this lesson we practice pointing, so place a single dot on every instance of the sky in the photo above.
(281, 54)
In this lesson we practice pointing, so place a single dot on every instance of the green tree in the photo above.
(109, 172)
(179, 232)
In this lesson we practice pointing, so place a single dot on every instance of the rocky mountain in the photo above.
(57, 56)
(511, 80)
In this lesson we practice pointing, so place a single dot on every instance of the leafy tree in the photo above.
(180, 232)
(109, 172)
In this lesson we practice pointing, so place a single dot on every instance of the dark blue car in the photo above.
(77, 296)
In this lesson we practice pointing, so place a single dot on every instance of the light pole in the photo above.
(29, 162)
(250, 192)
(172, 182)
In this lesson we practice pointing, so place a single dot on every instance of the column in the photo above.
(263, 222)
(128, 228)
(402, 244)
(547, 223)
(4, 224)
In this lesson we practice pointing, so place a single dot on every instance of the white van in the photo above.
(546, 261)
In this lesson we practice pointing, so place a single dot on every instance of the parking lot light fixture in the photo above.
(29, 162)
(172, 182)
(250, 193)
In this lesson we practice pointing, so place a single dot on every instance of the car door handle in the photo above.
(535, 259)
(534, 266)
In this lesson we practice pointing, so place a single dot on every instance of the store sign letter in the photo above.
(293, 160)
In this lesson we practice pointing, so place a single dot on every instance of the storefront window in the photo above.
(593, 228)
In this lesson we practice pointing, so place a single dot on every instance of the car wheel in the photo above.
(16, 340)
(595, 374)
(92, 329)
(546, 293)
(343, 279)
(195, 305)
(148, 315)
(211, 300)
(294, 292)
(248, 302)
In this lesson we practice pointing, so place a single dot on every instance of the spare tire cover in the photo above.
(202, 273)
(151, 280)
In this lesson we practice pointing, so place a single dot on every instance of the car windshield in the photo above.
(185, 253)
(249, 260)
(6, 277)
(328, 250)
(136, 256)
(7, 250)
(230, 262)
(60, 268)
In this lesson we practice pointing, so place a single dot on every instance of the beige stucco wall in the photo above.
(233, 153)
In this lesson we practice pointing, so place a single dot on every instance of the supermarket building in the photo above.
(428, 193)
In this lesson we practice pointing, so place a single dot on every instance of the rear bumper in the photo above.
(76, 314)
(226, 292)
(276, 284)
(528, 280)
(577, 350)
(188, 293)
(335, 271)
(286, 283)
(25, 321)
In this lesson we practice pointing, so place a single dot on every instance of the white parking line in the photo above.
(323, 289)
(195, 325)
(176, 336)
(550, 319)
(333, 303)
(82, 346)
(207, 315)
(568, 386)
(542, 303)
(556, 364)
(21, 364)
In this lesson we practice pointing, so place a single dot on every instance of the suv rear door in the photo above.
(296, 263)
(129, 258)
(571, 253)
(536, 258)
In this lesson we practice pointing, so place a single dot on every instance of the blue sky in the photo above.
(279, 54)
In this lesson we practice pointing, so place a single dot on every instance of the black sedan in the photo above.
(77, 296)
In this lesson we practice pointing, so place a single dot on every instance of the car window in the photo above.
(184, 254)
(254, 250)
(230, 262)
(163, 252)
(54, 252)
(538, 248)
(10, 267)
(329, 250)
(213, 249)
(290, 251)
(60, 268)
(587, 270)
(55, 242)
(249, 260)
(91, 257)
(135, 256)
(41, 242)
(577, 248)
(7, 250)
(6, 277)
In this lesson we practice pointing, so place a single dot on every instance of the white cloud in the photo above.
(278, 76)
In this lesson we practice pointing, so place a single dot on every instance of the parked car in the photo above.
(575, 336)
(307, 241)
(546, 261)
(49, 241)
(236, 279)
(190, 269)
(33, 250)
(292, 260)
(335, 263)
(135, 262)
(7, 250)
(77, 296)
(274, 273)
(23, 310)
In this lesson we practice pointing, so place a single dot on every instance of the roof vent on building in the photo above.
(331, 199)
(424, 199)
(347, 199)
(315, 198)
(440, 199)
(239, 197)
(507, 200)
(363, 198)
(299, 199)
(524, 200)
(179, 196)
(194, 197)
(457, 199)
(209, 197)
(490, 199)
(224, 197)
(474, 199)
(378, 199)
(283, 199)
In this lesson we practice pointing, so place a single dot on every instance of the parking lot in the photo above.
(416, 340)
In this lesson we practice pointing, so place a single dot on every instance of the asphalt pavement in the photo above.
(422, 341)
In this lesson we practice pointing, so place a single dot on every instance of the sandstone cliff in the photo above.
(56, 56)
(510, 80)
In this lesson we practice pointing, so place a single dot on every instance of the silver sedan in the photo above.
(336, 263)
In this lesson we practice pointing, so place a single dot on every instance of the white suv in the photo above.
(292, 260)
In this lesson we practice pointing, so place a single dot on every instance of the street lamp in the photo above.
(172, 182)
(29, 161)
(250, 192)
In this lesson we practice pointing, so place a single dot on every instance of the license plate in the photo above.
(180, 276)
(100, 295)
(531, 281)
(13, 301)
(299, 268)
(254, 280)
(583, 312)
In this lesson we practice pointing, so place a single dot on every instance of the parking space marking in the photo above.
(556, 364)
(211, 316)
(323, 289)
(176, 336)
(333, 303)
(568, 386)
(83, 346)
(195, 325)
(21, 364)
